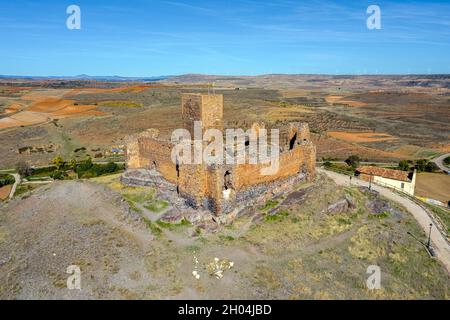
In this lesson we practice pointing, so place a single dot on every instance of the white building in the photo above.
(399, 180)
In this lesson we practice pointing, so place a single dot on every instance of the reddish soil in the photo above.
(5, 191)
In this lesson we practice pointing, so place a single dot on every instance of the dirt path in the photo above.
(440, 245)
(13, 190)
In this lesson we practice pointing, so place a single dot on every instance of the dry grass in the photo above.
(433, 185)
(358, 137)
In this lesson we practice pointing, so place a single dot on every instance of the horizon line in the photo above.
(219, 75)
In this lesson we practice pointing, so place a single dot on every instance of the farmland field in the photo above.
(378, 118)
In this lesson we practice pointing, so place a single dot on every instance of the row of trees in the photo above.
(6, 179)
(421, 165)
(60, 168)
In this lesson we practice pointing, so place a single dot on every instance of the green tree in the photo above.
(404, 165)
(421, 165)
(353, 161)
(447, 161)
(73, 164)
(58, 175)
(58, 161)
(431, 167)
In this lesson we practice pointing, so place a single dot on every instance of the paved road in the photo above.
(13, 190)
(439, 243)
(439, 161)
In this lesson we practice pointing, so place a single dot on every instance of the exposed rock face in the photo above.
(342, 206)
(172, 216)
(146, 178)
(378, 207)
(367, 191)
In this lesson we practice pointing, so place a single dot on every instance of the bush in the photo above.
(447, 161)
(58, 175)
(44, 171)
(431, 167)
(89, 170)
(404, 165)
(6, 179)
(353, 161)
(424, 165)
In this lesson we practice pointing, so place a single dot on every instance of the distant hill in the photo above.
(88, 77)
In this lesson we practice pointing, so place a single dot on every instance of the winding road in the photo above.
(439, 243)
(439, 161)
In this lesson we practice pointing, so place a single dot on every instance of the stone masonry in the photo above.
(220, 189)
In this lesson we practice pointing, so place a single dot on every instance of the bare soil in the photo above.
(433, 185)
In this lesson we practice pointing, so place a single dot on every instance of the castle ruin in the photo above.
(220, 189)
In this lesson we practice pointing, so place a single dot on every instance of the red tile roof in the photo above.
(385, 173)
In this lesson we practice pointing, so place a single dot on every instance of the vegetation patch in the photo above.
(6, 179)
(173, 226)
(270, 204)
(120, 103)
(443, 214)
(154, 228)
(157, 206)
(447, 161)
(280, 215)
(382, 215)
(226, 237)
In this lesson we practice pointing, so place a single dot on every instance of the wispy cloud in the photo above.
(190, 7)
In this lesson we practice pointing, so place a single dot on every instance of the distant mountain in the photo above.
(88, 77)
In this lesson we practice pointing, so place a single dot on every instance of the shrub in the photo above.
(58, 162)
(404, 165)
(447, 161)
(58, 175)
(6, 179)
(424, 165)
(353, 161)
(89, 170)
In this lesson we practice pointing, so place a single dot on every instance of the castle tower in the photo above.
(207, 108)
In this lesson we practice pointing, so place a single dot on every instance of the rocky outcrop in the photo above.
(344, 205)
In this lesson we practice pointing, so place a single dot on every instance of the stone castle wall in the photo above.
(221, 188)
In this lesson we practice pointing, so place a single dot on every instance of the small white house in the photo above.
(399, 180)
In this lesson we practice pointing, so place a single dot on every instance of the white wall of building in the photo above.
(407, 187)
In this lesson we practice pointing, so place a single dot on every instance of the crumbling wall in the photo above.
(190, 111)
(220, 188)
(293, 134)
(156, 154)
(299, 160)
(133, 153)
(192, 183)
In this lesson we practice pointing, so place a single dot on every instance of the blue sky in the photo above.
(151, 37)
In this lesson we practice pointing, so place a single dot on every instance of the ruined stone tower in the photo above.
(224, 189)
(202, 107)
